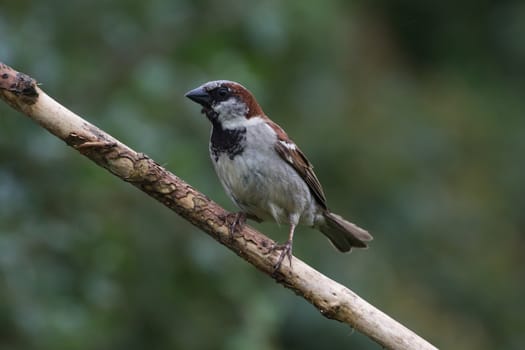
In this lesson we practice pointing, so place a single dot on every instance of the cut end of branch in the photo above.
(15, 86)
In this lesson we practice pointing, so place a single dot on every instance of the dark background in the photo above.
(413, 113)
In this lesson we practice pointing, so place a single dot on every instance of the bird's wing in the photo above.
(291, 154)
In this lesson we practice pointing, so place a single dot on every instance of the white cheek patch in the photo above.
(231, 113)
(231, 108)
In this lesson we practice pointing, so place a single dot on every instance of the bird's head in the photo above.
(226, 103)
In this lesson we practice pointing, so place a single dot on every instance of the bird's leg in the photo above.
(237, 222)
(286, 249)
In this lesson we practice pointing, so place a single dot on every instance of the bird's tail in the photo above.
(343, 234)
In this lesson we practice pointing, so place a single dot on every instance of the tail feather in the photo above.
(343, 234)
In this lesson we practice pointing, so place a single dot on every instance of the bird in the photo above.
(264, 172)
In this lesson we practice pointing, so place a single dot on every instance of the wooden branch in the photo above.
(332, 299)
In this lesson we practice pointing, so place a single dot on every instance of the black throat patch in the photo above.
(229, 141)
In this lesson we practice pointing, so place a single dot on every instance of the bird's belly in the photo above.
(266, 187)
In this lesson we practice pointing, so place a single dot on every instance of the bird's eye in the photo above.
(223, 92)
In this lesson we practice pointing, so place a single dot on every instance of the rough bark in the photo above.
(332, 299)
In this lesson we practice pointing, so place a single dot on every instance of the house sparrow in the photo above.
(264, 172)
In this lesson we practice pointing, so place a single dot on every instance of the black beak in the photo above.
(200, 96)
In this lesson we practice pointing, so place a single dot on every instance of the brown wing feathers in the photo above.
(296, 158)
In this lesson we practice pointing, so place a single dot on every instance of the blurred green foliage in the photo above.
(413, 113)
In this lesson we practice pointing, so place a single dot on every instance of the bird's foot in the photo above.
(286, 252)
(235, 223)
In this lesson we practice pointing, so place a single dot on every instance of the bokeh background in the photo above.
(413, 113)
